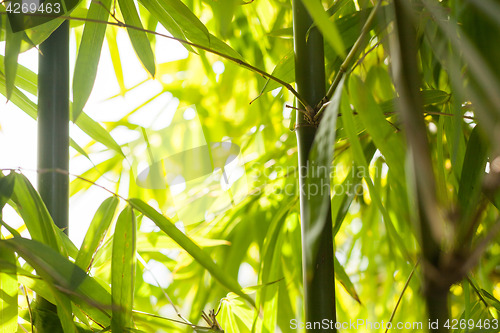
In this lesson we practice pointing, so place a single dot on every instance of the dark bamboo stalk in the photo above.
(318, 276)
(407, 81)
(53, 141)
(53, 124)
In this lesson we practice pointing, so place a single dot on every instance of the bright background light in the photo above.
(18, 131)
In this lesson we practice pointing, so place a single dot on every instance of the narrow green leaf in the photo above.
(9, 290)
(139, 40)
(123, 270)
(183, 24)
(6, 189)
(147, 242)
(284, 70)
(473, 171)
(342, 201)
(327, 27)
(235, 315)
(345, 281)
(79, 149)
(383, 134)
(192, 248)
(12, 49)
(223, 12)
(178, 19)
(93, 129)
(64, 276)
(19, 99)
(429, 97)
(192, 27)
(69, 247)
(96, 232)
(25, 78)
(271, 266)
(88, 55)
(360, 159)
(115, 58)
(35, 214)
(64, 311)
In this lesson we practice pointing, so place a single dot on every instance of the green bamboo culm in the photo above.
(407, 81)
(318, 276)
(53, 145)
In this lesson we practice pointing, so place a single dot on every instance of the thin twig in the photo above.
(29, 306)
(401, 295)
(362, 58)
(65, 172)
(477, 292)
(146, 267)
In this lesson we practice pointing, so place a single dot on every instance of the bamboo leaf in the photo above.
(148, 242)
(25, 78)
(79, 149)
(224, 12)
(12, 49)
(139, 40)
(123, 270)
(194, 29)
(429, 97)
(178, 19)
(9, 289)
(383, 134)
(115, 58)
(6, 189)
(96, 232)
(19, 99)
(35, 214)
(183, 24)
(88, 56)
(327, 27)
(64, 311)
(344, 279)
(64, 276)
(192, 248)
(93, 129)
(284, 70)
(476, 156)
(360, 159)
(341, 202)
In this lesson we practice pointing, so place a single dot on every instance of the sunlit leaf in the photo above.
(192, 248)
(138, 38)
(96, 232)
(12, 49)
(123, 270)
(88, 55)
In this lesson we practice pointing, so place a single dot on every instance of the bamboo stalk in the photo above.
(429, 223)
(318, 276)
(53, 142)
